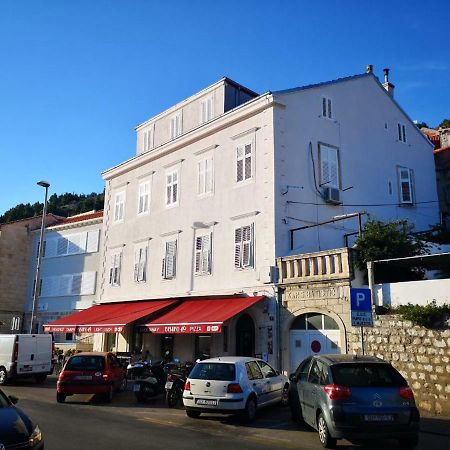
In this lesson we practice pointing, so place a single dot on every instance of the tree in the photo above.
(421, 125)
(386, 240)
(445, 123)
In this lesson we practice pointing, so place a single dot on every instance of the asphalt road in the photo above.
(84, 422)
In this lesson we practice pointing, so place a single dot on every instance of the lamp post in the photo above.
(45, 185)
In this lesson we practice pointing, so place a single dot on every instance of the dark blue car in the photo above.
(353, 397)
(17, 430)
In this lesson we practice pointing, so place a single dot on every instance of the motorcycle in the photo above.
(149, 379)
(176, 379)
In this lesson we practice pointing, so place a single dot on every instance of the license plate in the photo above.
(169, 384)
(378, 417)
(26, 369)
(203, 401)
(83, 377)
(136, 388)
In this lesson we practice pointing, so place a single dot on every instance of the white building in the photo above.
(217, 184)
(69, 273)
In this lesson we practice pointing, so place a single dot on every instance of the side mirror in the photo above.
(13, 399)
(293, 378)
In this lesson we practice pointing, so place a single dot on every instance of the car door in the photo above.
(257, 382)
(309, 393)
(273, 380)
(115, 369)
(301, 375)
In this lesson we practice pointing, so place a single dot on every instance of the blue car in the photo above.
(353, 397)
(17, 430)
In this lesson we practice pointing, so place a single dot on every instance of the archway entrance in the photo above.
(312, 334)
(245, 336)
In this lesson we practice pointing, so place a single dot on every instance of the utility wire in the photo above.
(359, 204)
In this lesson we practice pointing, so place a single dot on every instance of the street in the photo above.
(84, 422)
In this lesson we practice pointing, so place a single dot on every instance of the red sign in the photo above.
(84, 328)
(315, 346)
(192, 328)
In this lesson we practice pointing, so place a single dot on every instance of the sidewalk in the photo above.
(438, 425)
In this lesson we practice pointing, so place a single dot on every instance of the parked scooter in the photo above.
(149, 379)
(176, 380)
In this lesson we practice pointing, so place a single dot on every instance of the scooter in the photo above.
(176, 379)
(149, 379)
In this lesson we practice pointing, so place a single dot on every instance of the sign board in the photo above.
(361, 307)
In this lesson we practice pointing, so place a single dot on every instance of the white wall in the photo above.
(415, 292)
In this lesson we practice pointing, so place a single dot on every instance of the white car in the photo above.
(233, 384)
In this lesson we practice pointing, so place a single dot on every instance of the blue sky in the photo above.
(76, 77)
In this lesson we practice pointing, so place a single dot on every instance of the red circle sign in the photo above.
(315, 346)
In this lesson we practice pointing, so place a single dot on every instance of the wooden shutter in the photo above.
(88, 282)
(137, 255)
(324, 107)
(92, 241)
(75, 288)
(248, 162)
(142, 264)
(237, 247)
(209, 175)
(206, 253)
(405, 185)
(239, 164)
(51, 247)
(329, 166)
(246, 246)
(201, 177)
(175, 187)
(61, 248)
(169, 267)
(198, 254)
(329, 109)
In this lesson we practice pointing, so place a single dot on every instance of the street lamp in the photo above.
(45, 185)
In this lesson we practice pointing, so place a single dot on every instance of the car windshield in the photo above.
(366, 375)
(213, 371)
(85, 363)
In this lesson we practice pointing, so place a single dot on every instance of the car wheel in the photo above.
(123, 385)
(285, 396)
(296, 409)
(250, 410)
(324, 435)
(109, 395)
(60, 398)
(193, 414)
(3, 376)
(40, 378)
(409, 443)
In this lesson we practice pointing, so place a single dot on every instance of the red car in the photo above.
(91, 373)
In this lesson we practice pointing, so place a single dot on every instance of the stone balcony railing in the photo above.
(329, 265)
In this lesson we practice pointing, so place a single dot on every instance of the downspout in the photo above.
(278, 332)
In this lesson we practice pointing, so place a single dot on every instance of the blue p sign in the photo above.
(360, 299)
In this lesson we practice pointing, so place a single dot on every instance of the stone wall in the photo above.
(420, 354)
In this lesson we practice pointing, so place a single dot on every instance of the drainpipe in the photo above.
(278, 325)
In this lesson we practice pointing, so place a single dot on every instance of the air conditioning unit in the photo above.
(332, 195)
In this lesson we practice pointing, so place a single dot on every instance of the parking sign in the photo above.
(361, 307)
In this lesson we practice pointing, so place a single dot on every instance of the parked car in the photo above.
(233, 384)
(17, 430)
(91, 373)
(25, 355)
(353, 397)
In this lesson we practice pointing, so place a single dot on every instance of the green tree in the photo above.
(386, 240)
(421, 125)
(445, 123)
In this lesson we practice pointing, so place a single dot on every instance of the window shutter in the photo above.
(92, 241)
(404, 175)
(248, 162)
(75, 288)
(198, 254)
(63, 285)
(209, 175)
(246, 246)
(206, 252)
(111, 270)
(329, 108)
(237, 247)
(118, 267)
(239, 164)
(137, 255)
(141, 275)
(399, 127)
(201, 177)
(404, 133)
(170, 260)
(88, 280)
(324, 107)
(76, 243)
(61, 246)
(50, 247)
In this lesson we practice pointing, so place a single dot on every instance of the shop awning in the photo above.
(200, 316)
(107, 318)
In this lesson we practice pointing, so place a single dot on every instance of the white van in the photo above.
(25, 355)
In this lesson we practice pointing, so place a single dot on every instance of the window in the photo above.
(243, 246)
(85, 242)
(405, 180)
(401, 128)
(253, 370)
(172, 188)
(69, 284)
(114, 270)
(144, 198)
(206, 109)
(267, 370)
(140, 264)
(119, 206)
(302, 370)
(205, 176)
(327, 108)
(170, 260)
(203, 254)
(329, 166)
(175, 126)
(244, 163)
(148, 139)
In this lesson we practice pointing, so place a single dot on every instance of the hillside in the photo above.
(62, 205)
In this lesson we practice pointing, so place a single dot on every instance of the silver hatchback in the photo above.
(353, 397)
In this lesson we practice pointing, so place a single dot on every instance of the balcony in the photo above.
(328, 265)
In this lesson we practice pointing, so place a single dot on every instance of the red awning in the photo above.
(198, 316)
(107, 318)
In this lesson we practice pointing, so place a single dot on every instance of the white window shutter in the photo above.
(201, 177)
(75, 288)
(50, 247)
(206, 252)
(330, 115)
(209, 175)
(239, 164)
(198, 254)
(142, 265)
(61, 248)
(88, 281)
(246, 246)
(137, 255)
(248, 162)
(92, 241)
(237, 247)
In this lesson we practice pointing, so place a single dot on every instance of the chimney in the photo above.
(369, 68)
(387, 85)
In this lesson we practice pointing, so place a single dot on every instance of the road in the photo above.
(84, 422)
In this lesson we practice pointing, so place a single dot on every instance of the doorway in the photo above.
(245, 336)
